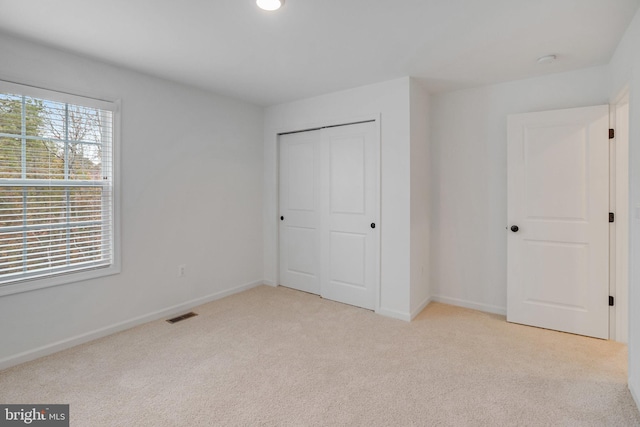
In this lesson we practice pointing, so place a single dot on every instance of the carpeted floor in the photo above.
(274, 356)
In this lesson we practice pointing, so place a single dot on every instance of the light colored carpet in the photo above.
(274, 356)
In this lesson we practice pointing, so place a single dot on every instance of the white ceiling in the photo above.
(311, 47)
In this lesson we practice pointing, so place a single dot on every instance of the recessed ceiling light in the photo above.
(547, 59)
(269, 4)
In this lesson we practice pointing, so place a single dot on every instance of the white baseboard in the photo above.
(471, 304)
(421, 307)
(634, 392)
(48, 349)
(269, 283)
(394, 314)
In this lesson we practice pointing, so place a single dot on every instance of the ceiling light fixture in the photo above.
(547, 59)
(270, 4)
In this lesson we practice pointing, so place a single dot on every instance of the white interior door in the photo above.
(350, 227)
(300, 211)
(329, 228)
(558, 198)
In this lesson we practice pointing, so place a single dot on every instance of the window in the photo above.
(57, 192)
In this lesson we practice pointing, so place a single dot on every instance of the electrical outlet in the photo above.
(182, 270)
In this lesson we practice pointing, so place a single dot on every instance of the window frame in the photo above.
(62, 278)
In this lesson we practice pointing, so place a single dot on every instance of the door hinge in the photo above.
(612, 217)
(612, 133)
(611, 301)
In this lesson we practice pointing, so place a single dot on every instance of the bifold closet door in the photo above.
(329, 204)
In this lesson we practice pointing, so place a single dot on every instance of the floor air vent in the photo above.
(182, 317)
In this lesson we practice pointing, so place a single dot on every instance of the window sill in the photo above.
(52, 281)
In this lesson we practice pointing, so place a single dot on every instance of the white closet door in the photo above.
(300, 211)
(329, 231)
(349, 200)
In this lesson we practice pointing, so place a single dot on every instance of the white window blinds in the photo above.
(56, 186)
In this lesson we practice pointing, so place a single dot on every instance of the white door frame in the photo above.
(319, 125)
(619, 229)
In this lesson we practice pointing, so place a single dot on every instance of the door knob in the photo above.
(514, 228)
(281, 218)
(373, 225)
